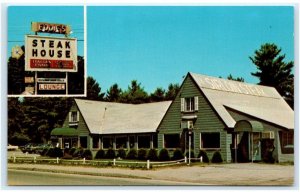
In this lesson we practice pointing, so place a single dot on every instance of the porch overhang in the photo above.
(248, 126)
(64, 131)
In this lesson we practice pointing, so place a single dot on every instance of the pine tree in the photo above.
(274, 71)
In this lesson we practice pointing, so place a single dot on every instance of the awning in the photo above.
(64, 131)
(248, 126)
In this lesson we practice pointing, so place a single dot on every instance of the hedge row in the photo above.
(141, 154)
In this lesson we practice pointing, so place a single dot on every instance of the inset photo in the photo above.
(46, 51)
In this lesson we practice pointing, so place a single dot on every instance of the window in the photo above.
(172, 140)
(287, 141)
(210, 140)
(143, 141)
(121, 142)
(83, 142)
(189, 104)
(74, 116)
(107, 142)
(95, 141)
(131, 142)
(154, 141)
(187, 124)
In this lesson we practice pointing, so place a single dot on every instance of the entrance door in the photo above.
(267, 148)
(243, 147)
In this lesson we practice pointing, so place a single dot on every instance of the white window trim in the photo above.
(183, 104)
(71, 119)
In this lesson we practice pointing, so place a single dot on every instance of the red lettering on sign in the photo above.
(51, 64)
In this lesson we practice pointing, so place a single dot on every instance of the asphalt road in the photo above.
(33, 178)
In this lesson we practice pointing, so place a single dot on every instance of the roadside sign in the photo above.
(50, 54)
(43, 27)
(51, 86)
(29, 80)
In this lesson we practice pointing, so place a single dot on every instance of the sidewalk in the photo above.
(223, 174)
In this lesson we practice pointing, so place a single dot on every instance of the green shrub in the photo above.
(152, 155)
(121, 153)
(100, 154)
(132, 154)
(204, 156)
(142, 154)
(164, 155)
(72, 150)
(87, 154)
(110, 154)
(44, 152)
(56, 152)
(78, 153)
(177, 155)
(216, 158)
(49, 152)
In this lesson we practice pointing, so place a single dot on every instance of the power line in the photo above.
(23, 41)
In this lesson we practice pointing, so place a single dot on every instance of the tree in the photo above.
(16, 74)
(240, 79)
(16, 132)
(135, 94)
(273, 71)
(94, 90)
(33, 118)
(158, 95)
(114, 93)
(173, 89)
(76, 79)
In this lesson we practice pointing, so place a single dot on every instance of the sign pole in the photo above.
(35, 82)
(235, 148)
(66, 83)
(190, 146)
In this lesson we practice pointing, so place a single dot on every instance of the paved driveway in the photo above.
(223, 174)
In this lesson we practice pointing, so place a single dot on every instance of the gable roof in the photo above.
(118, 118)
(261, 102)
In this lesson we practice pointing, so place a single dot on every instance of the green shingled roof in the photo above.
(64, 131)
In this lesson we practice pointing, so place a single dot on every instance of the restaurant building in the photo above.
(244, 122)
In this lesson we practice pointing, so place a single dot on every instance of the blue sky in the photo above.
(159, 45)
(19, 20)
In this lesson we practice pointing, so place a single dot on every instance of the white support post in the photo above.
(56, 160)
(148, 164)
(114, 162)
(83, 160)
(235, 148)
(35, 82)
(201, 159)
(66, 83)
(252, 146)
(190, 143)
(185, 159)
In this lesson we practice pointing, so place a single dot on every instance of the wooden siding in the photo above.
(267, 127)
(82, 127)
(207, 120)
